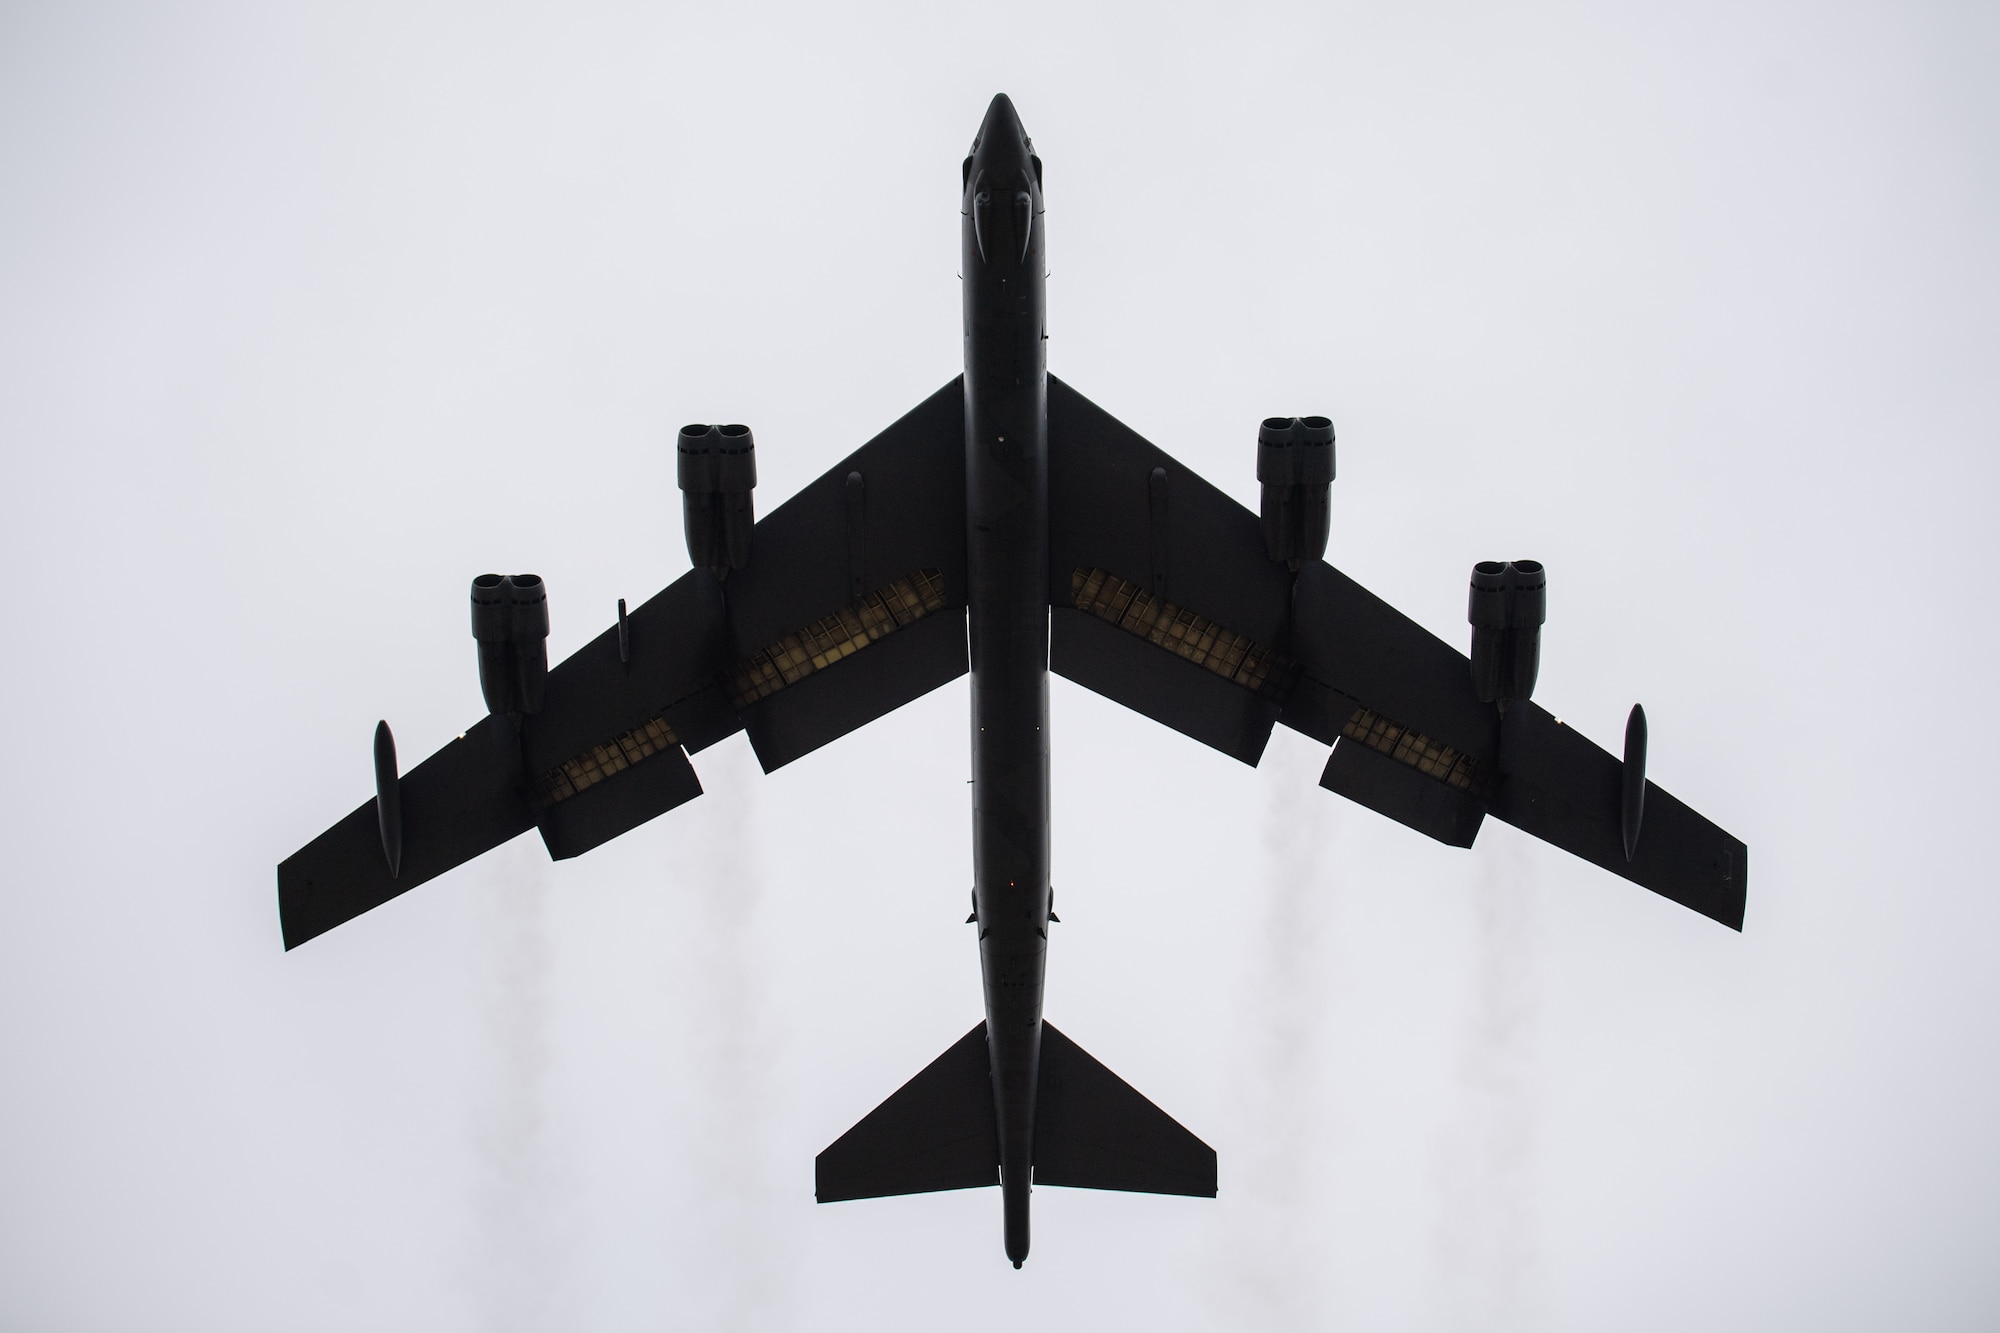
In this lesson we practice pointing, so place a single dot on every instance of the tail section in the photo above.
(1092, 1131)
(936, 1132)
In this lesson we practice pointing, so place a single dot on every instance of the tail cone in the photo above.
(1014, 1203)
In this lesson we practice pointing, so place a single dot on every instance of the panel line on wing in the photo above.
(1408, 746)
(1233, 656)
(613, 757)
(828, 640)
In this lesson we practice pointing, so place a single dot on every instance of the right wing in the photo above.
(852, 604)
(1166, 602)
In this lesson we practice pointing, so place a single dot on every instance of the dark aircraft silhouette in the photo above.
(1011, 527)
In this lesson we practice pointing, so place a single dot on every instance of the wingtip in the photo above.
(295, 919)
(294, 934)
(1741, 867)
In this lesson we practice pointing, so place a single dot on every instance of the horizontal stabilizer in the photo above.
(936, 1132)
(1093, 1130)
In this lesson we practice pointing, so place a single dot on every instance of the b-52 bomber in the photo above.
(1009, 527)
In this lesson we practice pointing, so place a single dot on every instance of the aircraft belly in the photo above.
(1006, 443)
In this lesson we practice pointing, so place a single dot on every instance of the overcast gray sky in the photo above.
(307, 317)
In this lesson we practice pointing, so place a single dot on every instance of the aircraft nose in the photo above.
(1001, 116)
(1001, 178)
(1002, 125)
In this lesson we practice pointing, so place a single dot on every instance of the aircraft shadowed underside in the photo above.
(1009, 527)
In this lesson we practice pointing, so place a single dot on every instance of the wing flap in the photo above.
(851, 693)
(892, 507)
(1368, 777)
(1176, 592)
(1361, 649)
(678, 645)
(853, 602)
(643, 786)
(1119, 503)
(1158, 684)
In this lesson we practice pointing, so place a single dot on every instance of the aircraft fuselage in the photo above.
(1007, 511)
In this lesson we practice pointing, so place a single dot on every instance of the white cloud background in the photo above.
(306, 317)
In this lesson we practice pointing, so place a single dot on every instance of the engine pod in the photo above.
(528, 633)
(1486, 610)
(1294, 476)
(510, 623)
(1312, 453)
(1527, 608)
(490, 617)
(1506, 606)
(716, 467)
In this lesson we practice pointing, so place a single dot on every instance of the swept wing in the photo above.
(853, 605)
(1164, 599)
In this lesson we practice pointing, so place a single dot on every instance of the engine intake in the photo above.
(717, 468)
(1295, 474)
(510, 622)
(1507, 607)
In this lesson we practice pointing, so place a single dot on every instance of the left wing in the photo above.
(1165, 601)
(852, 604)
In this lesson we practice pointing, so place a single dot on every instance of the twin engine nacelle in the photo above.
(1507, 607)
(1295, 473)
(510, 620)
(717, 466)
